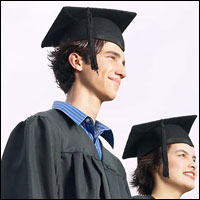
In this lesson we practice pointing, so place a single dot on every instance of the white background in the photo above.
(162, 48)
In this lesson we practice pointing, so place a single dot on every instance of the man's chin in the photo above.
(110, 98)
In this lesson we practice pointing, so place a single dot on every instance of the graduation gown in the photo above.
(142, 197)
(48, 156)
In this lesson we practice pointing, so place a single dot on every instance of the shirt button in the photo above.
(87, 120)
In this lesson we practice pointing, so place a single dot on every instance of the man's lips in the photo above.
(115, 80)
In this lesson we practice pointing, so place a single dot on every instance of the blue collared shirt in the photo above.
(86, 122)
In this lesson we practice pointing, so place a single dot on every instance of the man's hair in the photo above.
(142, 177)
(63, 71)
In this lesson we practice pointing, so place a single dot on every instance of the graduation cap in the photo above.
(79, 23)
(144, 138)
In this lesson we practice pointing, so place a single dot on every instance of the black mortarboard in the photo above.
(79, 23)
(144, 138)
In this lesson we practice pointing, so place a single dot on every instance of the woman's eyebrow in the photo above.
(182, 151)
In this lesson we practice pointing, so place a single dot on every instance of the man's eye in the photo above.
(182, 155)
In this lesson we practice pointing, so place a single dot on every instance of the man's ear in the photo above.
(76, 61)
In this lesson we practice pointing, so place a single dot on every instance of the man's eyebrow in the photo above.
(181, 150)
(115, 54)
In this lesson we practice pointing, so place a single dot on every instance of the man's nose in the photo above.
(121, 71)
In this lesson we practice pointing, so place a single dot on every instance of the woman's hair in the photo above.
(142, 177)
(63, 71)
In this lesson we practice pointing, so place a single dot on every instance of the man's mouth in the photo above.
(115, 80)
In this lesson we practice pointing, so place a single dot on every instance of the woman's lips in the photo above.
(190, 174)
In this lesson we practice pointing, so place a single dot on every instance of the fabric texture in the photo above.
(48, 156)
(86, 122)
(142, 197)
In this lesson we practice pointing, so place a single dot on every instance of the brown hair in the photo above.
(63, 71)
(142, 177)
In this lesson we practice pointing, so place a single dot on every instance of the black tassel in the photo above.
(164, 152)
(92, 52)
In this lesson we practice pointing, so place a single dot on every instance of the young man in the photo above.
(166, 158)
(58, 154)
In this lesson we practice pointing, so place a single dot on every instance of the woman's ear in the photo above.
(154, 169)
(76, 61)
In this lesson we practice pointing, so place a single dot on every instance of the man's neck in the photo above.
(87, 103)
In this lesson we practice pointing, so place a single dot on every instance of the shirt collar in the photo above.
(74, 113)
(78, 117)
(105, 132)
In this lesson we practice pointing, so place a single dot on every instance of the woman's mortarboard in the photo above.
(79, 23)
(144, 138)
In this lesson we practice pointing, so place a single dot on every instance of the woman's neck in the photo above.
(165, 191)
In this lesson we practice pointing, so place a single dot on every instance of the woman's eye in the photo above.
(182, 155)
(111, 57)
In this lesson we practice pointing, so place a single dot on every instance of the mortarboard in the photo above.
(146, 137)
(80, 23)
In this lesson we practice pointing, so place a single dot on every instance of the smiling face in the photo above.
(182, 167)
(105, 84)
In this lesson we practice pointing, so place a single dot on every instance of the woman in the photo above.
(166, 158)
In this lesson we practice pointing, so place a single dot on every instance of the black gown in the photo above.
(142, 197)
(48, 156)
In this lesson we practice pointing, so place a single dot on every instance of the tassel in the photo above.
(92, 52)
(164, 152)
